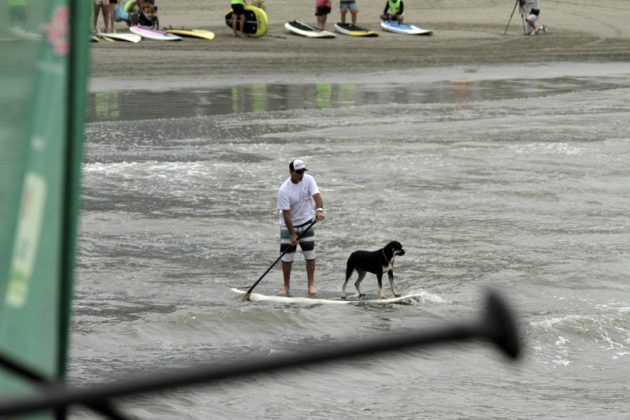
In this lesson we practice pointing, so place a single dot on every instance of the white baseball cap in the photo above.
(297, 166)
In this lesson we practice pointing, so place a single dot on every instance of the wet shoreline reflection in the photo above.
(261, 98)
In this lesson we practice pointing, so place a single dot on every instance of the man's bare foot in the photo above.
(283, 292)
(312, 291)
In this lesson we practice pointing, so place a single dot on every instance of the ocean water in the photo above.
(501, 178)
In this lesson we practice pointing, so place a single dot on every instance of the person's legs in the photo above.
(310, 277)
(286, 275)
(95, 17)
(241, 23)
(307, 244)
(106, 17)
(234, 22)
(531, 19)
(288, 254)
(112, 16)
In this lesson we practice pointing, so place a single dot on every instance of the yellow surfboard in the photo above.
(256, 23)
(192, 33)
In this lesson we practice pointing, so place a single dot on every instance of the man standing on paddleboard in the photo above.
(296, 197)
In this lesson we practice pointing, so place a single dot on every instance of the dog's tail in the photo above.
(349, 270)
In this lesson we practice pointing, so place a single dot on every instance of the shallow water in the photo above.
(521, 184)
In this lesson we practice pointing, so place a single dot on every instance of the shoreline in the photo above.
(463, 37)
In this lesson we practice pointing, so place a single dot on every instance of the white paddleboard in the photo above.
(404, 29)
(352, 30)
(304, 29)
(120, 36)
(154, 34)
(326, 298)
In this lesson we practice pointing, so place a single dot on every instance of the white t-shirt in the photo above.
(298, 198)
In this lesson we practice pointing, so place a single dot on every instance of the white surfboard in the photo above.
(327, 298)
(154, 34)
(404, 29)
(304, 29)
(120, 36)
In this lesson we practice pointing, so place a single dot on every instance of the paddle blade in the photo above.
(500, 326)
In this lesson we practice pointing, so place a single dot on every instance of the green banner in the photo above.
(42, 103)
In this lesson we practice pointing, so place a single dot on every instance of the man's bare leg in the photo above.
(310, 276)
(286, 274)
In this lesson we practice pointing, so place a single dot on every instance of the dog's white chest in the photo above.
(390, 266)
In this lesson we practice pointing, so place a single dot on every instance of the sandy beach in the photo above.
(465, 34)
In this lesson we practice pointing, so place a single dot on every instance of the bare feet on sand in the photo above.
(283, 292)
(312, 291)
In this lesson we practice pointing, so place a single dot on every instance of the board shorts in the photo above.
(306, 242)
(238, 9)
(533, 16)
(322, 7)
(349, 5)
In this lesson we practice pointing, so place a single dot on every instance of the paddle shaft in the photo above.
(249, 292)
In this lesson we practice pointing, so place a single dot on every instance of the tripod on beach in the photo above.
(518, 3)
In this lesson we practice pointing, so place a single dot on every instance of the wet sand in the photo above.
(465, 34)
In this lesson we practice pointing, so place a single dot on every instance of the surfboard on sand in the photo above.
(256, 22)
(300, 28)
(352, 30)
(326, 298)
(404, 29)
(120, 36)
(192, 33)
(154, 34)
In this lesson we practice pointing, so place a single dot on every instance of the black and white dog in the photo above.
(376, 262)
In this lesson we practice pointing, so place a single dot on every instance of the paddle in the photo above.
(249, 292)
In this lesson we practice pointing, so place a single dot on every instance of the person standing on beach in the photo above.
(531, 11)
(238, 14)
(102, 7)
(322, 9)
(346, 6)
(113, 4)
(296, 197)
(394, 11)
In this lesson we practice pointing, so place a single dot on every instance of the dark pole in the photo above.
(510, 20)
